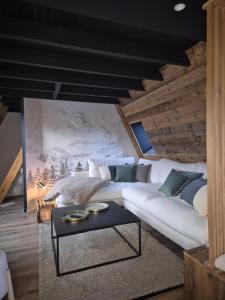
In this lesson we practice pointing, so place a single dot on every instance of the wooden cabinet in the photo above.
(201, 281)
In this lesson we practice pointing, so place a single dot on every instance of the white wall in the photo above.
(60, 134)
(10, 137)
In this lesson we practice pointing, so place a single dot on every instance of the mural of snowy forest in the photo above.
(61, 136)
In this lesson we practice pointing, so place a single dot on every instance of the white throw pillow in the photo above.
(104, 172)
(95, 163)
(93, 168)
(200, 202)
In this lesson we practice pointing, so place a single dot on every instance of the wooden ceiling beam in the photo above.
(12, 83)
(49, 75)
(70, 62)
(91, 43)
(49, 96)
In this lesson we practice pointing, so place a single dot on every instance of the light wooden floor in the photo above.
(19, 238)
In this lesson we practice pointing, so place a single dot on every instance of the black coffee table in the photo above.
(115, 215)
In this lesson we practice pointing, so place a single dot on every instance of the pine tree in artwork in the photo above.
(46, 175)
(53, 174)
(37, 176)
(30, 178)
(67, 168)
(62, 170)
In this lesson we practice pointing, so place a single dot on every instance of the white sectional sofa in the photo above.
(171, 216)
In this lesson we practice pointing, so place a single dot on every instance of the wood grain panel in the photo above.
(193, 95)
(196, 56)
(194, 113)
(164, 92)
(173, 112)
(179, 138)
(216, 127)
(19, 239)
(200, 281)
(10, 177)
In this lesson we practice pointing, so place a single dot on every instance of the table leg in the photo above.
(57, 256)
(51, 227)
(139, 237)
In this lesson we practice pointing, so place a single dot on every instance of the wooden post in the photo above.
(216, 126)
(11, 175)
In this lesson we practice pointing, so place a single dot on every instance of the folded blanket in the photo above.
(75, 189)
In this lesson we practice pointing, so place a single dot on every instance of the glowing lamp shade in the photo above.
(41, 185)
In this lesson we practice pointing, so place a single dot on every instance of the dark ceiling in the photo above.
(92, 51)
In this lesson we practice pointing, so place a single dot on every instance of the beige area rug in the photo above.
(157, 269)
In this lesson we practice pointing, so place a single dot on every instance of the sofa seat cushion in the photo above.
(111, 191)
(173, 212)
(140, 192)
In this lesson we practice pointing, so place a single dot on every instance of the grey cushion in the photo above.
(174, 183)
(189, 192)
(125, 173)
(142, 172)
(191, 175)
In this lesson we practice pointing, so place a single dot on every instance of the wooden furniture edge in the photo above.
(11, 175)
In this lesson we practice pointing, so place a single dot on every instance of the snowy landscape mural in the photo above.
(61, 136)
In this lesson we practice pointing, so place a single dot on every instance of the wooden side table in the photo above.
(200, 281)
(44, 209)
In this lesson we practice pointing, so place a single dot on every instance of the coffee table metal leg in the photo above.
(55, 249)
(139, 237)
(51, 227)
(57, 256)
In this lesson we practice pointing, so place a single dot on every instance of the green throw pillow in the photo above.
(125, 173)
(174, 183)
(112, 170)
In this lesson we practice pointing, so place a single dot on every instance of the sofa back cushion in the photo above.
(166, 165)
(161, 168)
(154, 173)
(95, 163)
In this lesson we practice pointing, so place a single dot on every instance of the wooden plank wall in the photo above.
(173, 111)
(11, 175)
(216, 126)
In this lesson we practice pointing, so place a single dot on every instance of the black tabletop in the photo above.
(114, 215)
